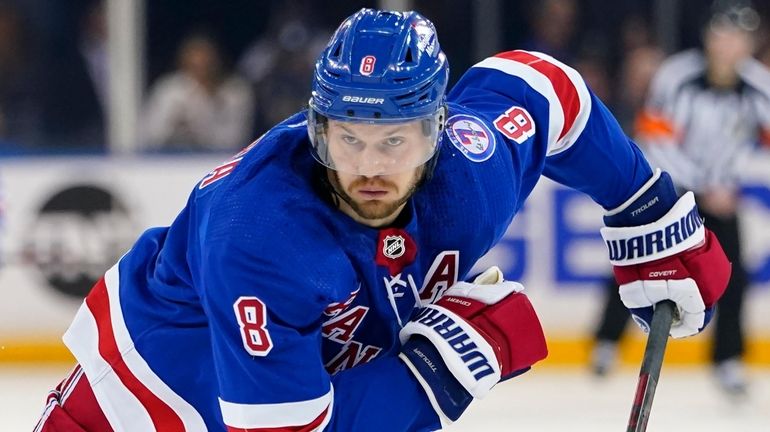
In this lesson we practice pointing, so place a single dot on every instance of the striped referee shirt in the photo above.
(701, 134)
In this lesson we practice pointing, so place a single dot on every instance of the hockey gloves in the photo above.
(660, 250)
(474, 336)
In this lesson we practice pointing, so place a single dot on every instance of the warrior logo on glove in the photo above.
(475, 335)
(661, 250)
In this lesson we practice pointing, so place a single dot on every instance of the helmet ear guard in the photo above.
(440, 118)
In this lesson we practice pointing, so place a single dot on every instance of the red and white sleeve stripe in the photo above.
(131, 395)
(304, 416)
(568, 97)
(59, 395)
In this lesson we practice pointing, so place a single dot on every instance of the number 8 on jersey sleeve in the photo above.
(251, 314)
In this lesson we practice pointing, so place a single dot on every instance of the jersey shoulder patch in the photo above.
(471, 136)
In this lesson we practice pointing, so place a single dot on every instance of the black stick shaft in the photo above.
(651, 364)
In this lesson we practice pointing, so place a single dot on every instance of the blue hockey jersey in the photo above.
(264, 308)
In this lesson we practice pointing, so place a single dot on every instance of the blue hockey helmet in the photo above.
(385, 68)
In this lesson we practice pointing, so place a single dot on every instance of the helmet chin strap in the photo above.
(334, 194)
(430, 165)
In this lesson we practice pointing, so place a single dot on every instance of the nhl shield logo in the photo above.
(393, 246)
(395, 250)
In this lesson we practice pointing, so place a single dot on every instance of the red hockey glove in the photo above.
(476, 335)
(668, 254)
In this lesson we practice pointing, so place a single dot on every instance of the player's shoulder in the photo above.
(268, 160)
(522, 88)
(270, 185)
(268, 205)
(521, 73)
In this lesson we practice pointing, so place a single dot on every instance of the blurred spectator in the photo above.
(18, 110)
(636, 72)
(93, 47)
(280, 64)
(635, 33)
(554, 25)
(71, 109)
(199, 106)
(707, 110)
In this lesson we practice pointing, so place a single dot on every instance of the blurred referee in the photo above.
(707, 111)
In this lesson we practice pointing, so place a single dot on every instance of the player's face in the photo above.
(378, 149)
(373, 191)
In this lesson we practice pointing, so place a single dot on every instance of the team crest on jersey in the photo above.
(471, 136)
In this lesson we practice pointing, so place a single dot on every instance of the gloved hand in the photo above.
(660, 250)
(474, 336)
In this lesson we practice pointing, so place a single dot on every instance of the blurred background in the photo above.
(111, 110)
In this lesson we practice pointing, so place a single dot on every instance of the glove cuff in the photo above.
(650, 203)
(447, 396)
(466, 353)
(681, 228)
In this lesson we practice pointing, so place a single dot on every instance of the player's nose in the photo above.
(371, 163)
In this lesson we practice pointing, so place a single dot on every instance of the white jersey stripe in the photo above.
(124, 410)
(539, 73)
(537, 81)
(278, 415)
(190, 417)
(583, 114)
(44, 417)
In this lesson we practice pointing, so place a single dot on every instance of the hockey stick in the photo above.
(651, 364)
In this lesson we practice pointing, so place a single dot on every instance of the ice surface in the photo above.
(544, 400)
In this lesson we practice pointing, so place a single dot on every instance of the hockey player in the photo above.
(315, 281)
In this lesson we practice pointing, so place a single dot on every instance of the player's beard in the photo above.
(375, 209)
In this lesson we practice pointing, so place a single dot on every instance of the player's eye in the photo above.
(394, 141)
(347, 139)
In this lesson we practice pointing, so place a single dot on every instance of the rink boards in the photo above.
(67, 219)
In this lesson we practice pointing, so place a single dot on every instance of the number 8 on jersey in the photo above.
(252, 316)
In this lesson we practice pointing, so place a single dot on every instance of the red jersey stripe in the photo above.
(163, 416)
(562, 85)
